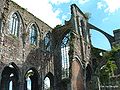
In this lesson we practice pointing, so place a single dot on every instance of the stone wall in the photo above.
(117, 43)
(117, 36)
(25, 56)
(18, 49)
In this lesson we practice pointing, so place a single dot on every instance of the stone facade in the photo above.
(117, 36)
(117, 43)
(23, 57)
(17, 53)
(17, 50)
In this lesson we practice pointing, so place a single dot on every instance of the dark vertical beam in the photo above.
(0, 25)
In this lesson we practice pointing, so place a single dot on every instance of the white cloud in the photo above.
(67, 1)
(100, 5)
(59, 1)
(42, 9)
(105, 19)
(65, 16)
(110, 6)
(81, 1)
(113, 5)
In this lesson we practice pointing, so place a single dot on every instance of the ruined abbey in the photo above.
(31, 49)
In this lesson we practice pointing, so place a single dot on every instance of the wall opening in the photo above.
(11, 85)
(33, 34)
(65, 57)
(49, 82)
(9, 78)
(31, 80)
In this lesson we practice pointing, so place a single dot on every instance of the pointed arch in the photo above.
(50, 76)
(47, 41)
(34, 32)
(15, 23)
(31, 79)
(65, 56)
(10, 74)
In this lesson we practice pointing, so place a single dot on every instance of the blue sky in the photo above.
(105, 14)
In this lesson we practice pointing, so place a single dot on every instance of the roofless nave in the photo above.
(30, 49)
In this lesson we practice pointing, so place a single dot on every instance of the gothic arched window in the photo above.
(33, 34)
(31, 79)
(47, 42)
(49, 82)
(14, 24)
(10, 78)
(65, 57)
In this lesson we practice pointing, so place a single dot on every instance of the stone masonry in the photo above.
(20, 60)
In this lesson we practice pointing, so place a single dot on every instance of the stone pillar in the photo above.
(0, 25)
(57, 69)
(77, 82)
(117, 43)
(21, 85)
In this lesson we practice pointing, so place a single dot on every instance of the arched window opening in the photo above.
(14, 24)
(11, 82)
(47, 42)
(31, 80)
(33, 34)
(9, 78)
(65, 57)
(28, 83)
(11, 85)
(47, 84)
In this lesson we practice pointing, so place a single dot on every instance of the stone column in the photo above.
(77, 82)
(21, 85)
(0, 25)
(57, 69)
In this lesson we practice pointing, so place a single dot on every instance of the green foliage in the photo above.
(111, 55)
(58, 26)
(88, 15)
(110, 67)
(104, 76)
(29, 74)
(106, 71)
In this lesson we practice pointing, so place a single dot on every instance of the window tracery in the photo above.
(14, 24)
(65, 57)
(33, 35)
